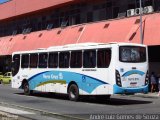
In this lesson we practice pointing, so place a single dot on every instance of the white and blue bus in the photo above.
(98, 69)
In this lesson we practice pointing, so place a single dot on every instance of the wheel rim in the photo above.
(26, 88)
(73, 93)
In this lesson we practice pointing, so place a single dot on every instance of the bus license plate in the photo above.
(133, 84)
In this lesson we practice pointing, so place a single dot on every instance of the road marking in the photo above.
(14, 111)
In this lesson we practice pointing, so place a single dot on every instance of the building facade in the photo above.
(28, 25)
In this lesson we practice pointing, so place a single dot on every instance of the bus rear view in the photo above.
(131, 70)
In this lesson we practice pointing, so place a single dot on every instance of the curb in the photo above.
(149, 95)
(8, 116)
(56, 115)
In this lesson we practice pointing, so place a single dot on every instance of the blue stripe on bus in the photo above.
(84, 82)
(120, 90)
(131, 72)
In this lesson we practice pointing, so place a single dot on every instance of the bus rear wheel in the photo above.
(27, 91)
(73, 92)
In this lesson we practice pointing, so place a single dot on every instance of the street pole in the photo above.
(141, 31)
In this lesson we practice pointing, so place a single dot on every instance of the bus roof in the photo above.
(87, 45)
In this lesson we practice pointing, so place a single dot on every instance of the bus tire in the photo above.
(73, 92)
(26, 89)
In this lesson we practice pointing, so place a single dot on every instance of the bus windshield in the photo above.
(132, 54)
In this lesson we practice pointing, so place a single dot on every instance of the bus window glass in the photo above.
(33, 60)
(89, 59)
(76, 59)
(15, 64)
(103, 58)
(132, 54)
(53, 60)
(64, 60)
(25, 61)
(43, 60)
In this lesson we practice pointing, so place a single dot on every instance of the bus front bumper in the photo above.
(121, 90)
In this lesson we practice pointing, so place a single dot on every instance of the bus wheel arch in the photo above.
(25, 87)
(73, 91)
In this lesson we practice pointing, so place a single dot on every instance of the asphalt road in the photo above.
(85, 108)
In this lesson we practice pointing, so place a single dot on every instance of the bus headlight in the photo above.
(118, 79)
(147, 79)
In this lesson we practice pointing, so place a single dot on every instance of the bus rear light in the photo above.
(147, 79)
(118, 79)
(118, 75)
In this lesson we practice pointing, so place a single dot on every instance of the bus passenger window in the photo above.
(89, 59)
(103, 58)
(76, 59)
(43, 60)
(53, 60)
(15, 64)
(64, 59)
(25, 61)
(33, 60)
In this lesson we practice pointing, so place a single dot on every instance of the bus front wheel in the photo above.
(27, 91)
(73, 92)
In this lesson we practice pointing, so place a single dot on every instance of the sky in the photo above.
(2, 1)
